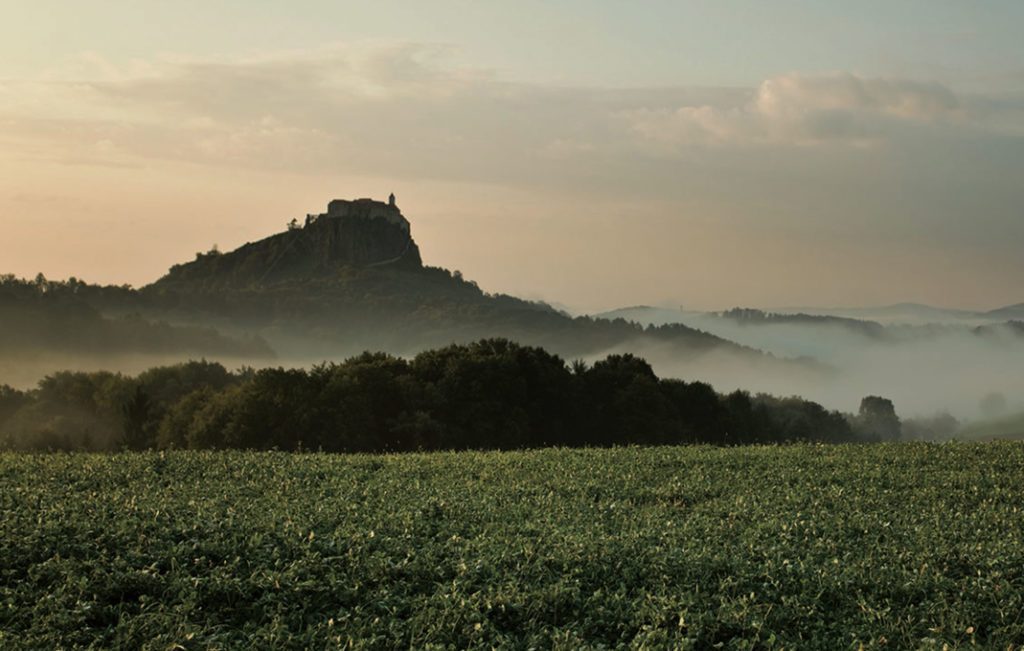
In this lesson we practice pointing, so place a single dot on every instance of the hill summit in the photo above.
(352, 233)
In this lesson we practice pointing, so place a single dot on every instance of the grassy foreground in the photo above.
(901, 546)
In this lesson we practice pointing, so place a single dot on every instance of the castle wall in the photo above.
(367, 209)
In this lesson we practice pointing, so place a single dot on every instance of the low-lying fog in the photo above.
(924, 369)
(25, 371)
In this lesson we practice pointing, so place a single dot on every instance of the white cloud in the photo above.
(802, 110)
(400, 109)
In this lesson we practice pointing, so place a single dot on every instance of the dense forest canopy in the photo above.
(490, 394)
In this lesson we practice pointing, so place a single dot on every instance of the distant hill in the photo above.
(46, 316)
(347, 280)
(882, 332)
(1008, 313)
(352, 279)
(742, 316)
(896, 314)
(748, 316)
(647, 315)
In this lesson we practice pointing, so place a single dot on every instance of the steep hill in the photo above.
(360, 233)
(351, 279)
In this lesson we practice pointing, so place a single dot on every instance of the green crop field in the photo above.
(832, 547)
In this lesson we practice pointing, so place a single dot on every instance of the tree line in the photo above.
(491, 394)
(55, 317)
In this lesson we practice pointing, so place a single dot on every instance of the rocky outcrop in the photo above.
(359, 238)
(360, 233)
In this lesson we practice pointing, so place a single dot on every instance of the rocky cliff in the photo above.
(360, 233)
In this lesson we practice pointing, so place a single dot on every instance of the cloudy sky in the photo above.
(597, 154)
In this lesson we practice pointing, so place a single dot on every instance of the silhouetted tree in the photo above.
(877, 419)
(698, 411)
(624, 402)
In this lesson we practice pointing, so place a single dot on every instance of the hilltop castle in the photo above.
(352, 233)
(364, 209)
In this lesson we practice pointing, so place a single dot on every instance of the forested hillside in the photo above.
(43, 317)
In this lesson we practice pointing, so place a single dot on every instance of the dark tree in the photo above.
(135, 417)
(877, 419)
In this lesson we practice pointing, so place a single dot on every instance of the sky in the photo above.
(594, 154)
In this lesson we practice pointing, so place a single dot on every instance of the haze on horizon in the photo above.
(591, 154)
